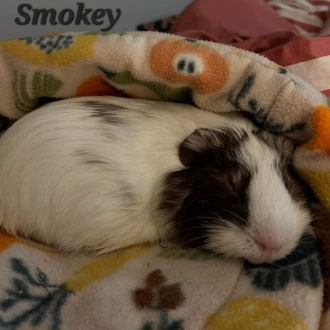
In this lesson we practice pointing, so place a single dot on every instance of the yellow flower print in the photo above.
(254, 313)
(51, 50)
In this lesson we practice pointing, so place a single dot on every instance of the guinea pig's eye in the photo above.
(290, 176)
(287, 179)
(237, 181)
(293, 182)
(232, 183)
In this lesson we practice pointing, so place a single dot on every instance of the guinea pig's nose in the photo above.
(268, 244)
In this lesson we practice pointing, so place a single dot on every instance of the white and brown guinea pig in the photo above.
(102, 173)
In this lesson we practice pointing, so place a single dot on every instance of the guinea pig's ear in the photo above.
(200, 140)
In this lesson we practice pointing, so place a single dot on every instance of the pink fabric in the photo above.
(231, 21)
(326, 28)
(307, 15)
(300, 50)
(254, 26)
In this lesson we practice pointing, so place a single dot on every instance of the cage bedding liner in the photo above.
(152, 286)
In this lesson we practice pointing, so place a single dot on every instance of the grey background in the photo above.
(133, 12)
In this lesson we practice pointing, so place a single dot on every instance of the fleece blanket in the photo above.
(166, 287)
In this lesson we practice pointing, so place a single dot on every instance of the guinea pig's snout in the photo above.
(266, 243)
(269, 248)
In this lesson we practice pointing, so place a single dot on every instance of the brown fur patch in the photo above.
(322, 230)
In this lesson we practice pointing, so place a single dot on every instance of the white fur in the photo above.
(49, 193)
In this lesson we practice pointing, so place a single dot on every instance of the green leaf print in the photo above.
(43, 85)
(51, 44)
(31, 300)
(177, 252)
(182, 94)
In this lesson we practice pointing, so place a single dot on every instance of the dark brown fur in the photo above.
(214, 183)
(285, 148)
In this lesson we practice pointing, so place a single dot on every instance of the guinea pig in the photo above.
(103, 173)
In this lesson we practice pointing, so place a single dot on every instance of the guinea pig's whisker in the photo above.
(214, 225)
(202, 218)
(236, 216)
(195, 239)
(215, 228)
(184, 230)
(212, 253)
(219, 225)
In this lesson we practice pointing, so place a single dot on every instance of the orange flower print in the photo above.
(181, 62)
(321, 124)
(95, 85)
